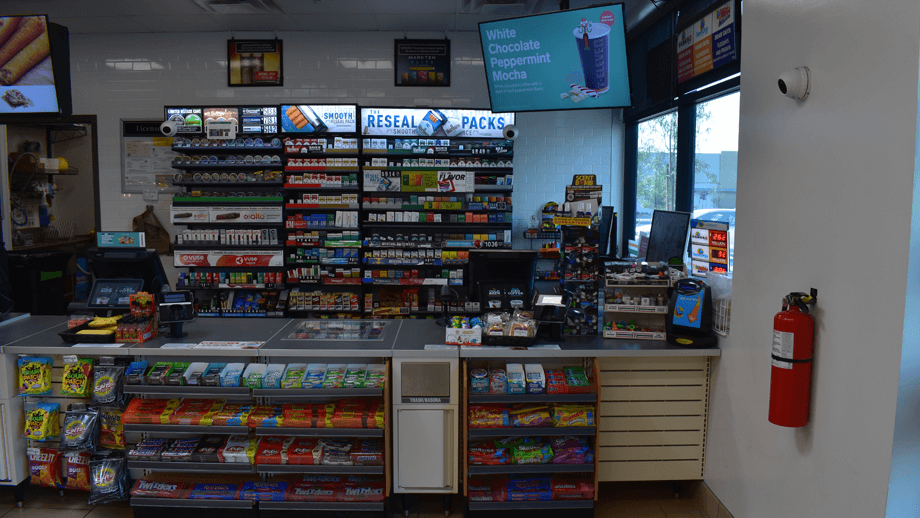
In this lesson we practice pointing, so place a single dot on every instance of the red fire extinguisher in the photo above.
(793, 346)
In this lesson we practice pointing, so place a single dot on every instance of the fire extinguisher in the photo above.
(793, 346)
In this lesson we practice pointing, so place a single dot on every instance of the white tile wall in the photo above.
(133, 76)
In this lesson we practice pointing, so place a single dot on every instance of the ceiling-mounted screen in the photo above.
(566, 60)
(26, 73)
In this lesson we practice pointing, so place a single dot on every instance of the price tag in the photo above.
(70, 358)
(98, 345)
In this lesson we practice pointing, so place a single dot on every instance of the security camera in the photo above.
(510, 132)
(168, 128)
(795, 83)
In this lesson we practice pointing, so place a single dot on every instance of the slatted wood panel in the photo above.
(652, 418)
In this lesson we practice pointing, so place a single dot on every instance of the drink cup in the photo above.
(595, 58)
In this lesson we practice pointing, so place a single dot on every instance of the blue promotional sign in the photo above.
(723, 36)
(121, 240)
(564, 60)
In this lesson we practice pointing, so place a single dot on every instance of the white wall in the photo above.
(903, 497)
(135, 75)
(824, 201)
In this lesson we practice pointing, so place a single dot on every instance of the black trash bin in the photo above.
(38, 282)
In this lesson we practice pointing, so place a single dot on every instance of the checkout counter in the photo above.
(638, 386)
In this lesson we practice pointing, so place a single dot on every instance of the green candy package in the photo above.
(35, 376)
(77, 379)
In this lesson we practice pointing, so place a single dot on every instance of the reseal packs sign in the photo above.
(435, 122)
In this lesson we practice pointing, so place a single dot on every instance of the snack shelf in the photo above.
(317, 187)
(185, 429)
(533, 431)
(303, 310)
(314, 469)
(258, 286)
(534, 505)
(635, 335)
(316, 432)
(228, 149)
(473, 169)
(323, 153)
(228, 184)
(322, 169)
(225, 167)
(321, 206)
(533, 398)
(381, 261)
(630, 308)
(191, 503)
(187, 391)
(511, 469)
(197, 200)
(322, 506)
(192, 467)
(310, 394)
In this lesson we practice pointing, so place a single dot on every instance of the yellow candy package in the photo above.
(42, 421)
(34, 376)
(77, 379)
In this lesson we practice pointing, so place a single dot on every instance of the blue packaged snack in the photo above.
(273, 491)
(134, 375)
(214, 492)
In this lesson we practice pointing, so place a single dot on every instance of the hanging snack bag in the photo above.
(34, 376)
(41, 421)
(45, 467)
(77, 378)
(78, 470)
(108, 480)
(111, 430)
(108, 385)
(81, 431)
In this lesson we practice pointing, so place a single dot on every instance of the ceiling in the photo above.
(166, 16)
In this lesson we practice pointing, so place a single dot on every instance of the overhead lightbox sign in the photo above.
(709, 43)
(318, 118)
(434, 122)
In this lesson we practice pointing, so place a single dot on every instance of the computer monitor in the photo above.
(668, 235)
(497, 275)
(113, 263)
(608, 238)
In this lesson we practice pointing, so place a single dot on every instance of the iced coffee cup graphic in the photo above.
(592, 41)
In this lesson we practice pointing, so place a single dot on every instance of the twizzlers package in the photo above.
(149, 489)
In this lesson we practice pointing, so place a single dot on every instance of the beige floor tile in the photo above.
(46, 498)
(689, 514)
(631, 508)
(111, 511)
(34, 512)
(723, 512)
(711, 509)
(677, 505)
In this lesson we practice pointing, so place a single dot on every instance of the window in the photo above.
(715, 168)
(656, 164)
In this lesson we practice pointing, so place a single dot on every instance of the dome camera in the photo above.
(510, 132)
(795, 83)
(169, 128)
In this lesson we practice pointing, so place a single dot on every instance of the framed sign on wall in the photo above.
(254, 63)
(422, 62)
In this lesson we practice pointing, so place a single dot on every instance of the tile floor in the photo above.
(617, 500)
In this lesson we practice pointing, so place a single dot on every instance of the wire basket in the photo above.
(721, 315)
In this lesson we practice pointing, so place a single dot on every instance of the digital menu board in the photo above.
(221, 115)
(259, 119)
(188, 120)
(26, 74)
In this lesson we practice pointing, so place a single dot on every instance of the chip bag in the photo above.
(77, 470)
(77, 378)
(45, 467)
(108, 385)
(112, 430)
(108, 480)
(81, 431)
(41, 421)
(35, 376)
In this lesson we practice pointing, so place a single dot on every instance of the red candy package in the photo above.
(78, 470)
(488, 489)
(272, 450)
(315, 488)
(486, 453)
(45, 467)
(483, 416)
(362, 489)
(564, 489)
(148, 489)
(304, 451)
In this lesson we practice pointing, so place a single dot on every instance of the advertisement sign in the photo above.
(564, 60)
(188, 120)
(26, 75)
(319, 118)
(229, 258)
(708, 43)
(184, 215)
(121, 240)
(442, 122)
(231, 215)
(254, 63)
(422, 62)
(146, 157)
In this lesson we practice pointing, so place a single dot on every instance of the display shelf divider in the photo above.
(192, 467)
(464, 441)
(318, 432)
(267, 505)
(191, 503)
(188, 391)
(185, 429)
(307, 468)
(309, 394)
(533, 398)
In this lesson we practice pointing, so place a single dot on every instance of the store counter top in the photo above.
(321, 338)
